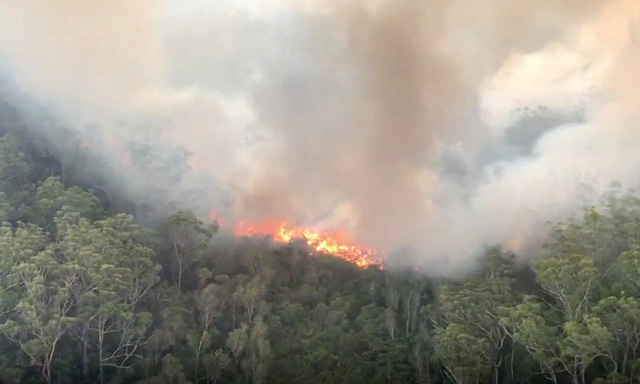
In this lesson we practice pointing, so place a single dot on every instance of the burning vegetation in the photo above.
(449, 126)
(336, 243)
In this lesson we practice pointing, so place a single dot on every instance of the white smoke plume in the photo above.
(394, 118)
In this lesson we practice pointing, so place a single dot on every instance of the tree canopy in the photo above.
(89, 295)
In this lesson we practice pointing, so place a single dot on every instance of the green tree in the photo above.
(465, 357)
(189, 238)
(42, 313)
(621, 316)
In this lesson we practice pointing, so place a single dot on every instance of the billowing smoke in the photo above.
(413, 123)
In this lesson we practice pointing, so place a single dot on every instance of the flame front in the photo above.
(336, 243)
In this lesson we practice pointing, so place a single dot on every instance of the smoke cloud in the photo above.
(411, 123)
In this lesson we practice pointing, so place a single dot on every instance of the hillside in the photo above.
(89, 293)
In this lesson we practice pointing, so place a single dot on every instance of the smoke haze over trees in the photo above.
(344, 113)
(88, 295)
(488, 147)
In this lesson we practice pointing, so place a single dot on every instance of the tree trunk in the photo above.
(195, 369)
(179, 277)
(101, 370)
(406, 325)
(372, 292)
(46, 365)
(85, 353)
(575, 374)
(233, 315)
(46, 370)
(414, 313)
(513, 352)
(100, 352)
(625, 357)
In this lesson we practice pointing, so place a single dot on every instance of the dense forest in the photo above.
(90, 294)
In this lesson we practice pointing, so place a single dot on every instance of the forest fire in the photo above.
(335, 243)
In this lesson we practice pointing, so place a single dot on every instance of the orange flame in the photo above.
(336, 243)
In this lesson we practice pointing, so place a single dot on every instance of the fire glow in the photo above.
(335, 243)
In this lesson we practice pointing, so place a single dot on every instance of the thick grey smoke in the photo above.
(392, 118)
